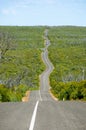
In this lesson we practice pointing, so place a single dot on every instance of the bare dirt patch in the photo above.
(26, 97)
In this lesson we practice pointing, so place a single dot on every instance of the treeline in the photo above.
(20, 63)
(68, 55)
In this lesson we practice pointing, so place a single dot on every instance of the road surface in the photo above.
(42, 112)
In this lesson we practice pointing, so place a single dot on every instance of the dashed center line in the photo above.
(33, 117)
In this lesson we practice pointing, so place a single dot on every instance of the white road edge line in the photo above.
(33, 117)
(40, 96)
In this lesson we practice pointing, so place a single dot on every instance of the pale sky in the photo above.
(43, 12)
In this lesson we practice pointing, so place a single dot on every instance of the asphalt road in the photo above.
(42, 112)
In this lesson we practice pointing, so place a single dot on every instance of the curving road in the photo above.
(42, 112)
(43, 93)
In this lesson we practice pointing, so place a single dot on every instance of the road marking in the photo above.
(40, 96)
(34, 116)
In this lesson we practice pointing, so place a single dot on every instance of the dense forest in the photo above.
(68, 55)
(20, 60)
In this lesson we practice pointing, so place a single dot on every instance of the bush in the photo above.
(8, 95)
(70, 90)
(21, 89)
(0, 97)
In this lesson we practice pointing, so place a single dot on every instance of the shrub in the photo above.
(7, 94)
(70, 90)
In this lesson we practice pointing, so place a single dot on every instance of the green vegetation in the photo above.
(70, 90)
(68, 55)
(20, 60)
(21, 63)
